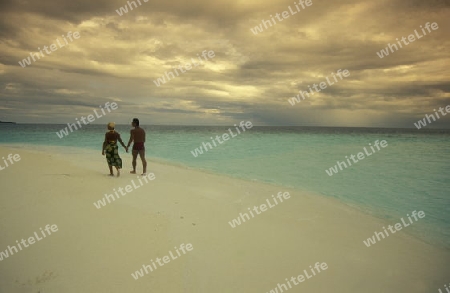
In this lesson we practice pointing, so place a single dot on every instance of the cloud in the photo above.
(251, 76)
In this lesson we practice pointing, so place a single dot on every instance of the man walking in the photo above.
(138, 136)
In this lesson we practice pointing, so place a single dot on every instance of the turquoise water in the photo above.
(411, 173)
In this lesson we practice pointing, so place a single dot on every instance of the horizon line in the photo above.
(193, 125)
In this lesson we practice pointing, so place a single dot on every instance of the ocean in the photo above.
(410, 173)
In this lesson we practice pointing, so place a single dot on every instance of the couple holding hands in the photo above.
(111, 149)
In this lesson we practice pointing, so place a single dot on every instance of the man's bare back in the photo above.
(138, 134)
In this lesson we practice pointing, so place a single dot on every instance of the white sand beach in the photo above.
(97, 250)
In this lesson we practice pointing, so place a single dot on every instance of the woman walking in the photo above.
(111, 149)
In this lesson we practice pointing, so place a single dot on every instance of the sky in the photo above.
(117, 58)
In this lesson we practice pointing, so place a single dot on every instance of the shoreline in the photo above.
(91, 154)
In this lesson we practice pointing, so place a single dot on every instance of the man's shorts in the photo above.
(138, 148)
